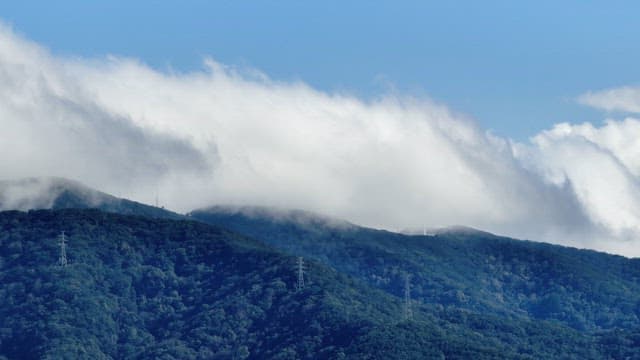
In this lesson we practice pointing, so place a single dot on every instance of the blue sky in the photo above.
(515, 67)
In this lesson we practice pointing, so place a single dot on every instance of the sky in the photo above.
(520, 119)
(515, 67)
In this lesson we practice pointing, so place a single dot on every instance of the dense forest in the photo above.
(139, 288)
(143, 282)
(464, 269)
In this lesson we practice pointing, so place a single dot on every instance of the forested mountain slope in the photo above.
(470, 270)
(143, 288)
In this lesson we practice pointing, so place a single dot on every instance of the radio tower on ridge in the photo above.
(62, 261)
(300, 283)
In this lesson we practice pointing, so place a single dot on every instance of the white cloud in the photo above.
(601, 170)
(625, 99)
(51, 126)
(225, 135)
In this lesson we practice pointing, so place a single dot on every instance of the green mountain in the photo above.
(150, 283)
(459, 268)
(147, 288)
(60, 193)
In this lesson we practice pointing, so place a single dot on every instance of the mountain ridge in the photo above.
(139, 287)
(459, 269)
(61, 193)
(475, 271)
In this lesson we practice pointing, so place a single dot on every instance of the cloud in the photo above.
(601, 165)
(42, 192)
(624, 99)
(51, 126)
(225, 135)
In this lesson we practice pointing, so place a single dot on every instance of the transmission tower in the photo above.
(407, 313)
(62, 261)
(300, 283)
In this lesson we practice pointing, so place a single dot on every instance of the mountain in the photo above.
(146, 288)
(459, 268)
(455, 229)
(140, 277)
(60, 193)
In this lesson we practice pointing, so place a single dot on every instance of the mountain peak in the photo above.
(448, 230)
(60, 193)
(47, 193)
(278, 215)
(461, 230)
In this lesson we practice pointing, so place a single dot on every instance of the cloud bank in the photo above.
(233, 136)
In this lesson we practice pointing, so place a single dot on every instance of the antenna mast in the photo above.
(62, 261)
(300, 283)
(407, 313)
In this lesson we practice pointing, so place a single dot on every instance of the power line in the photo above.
(300, 267)
(407, 312)
(62, 260)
